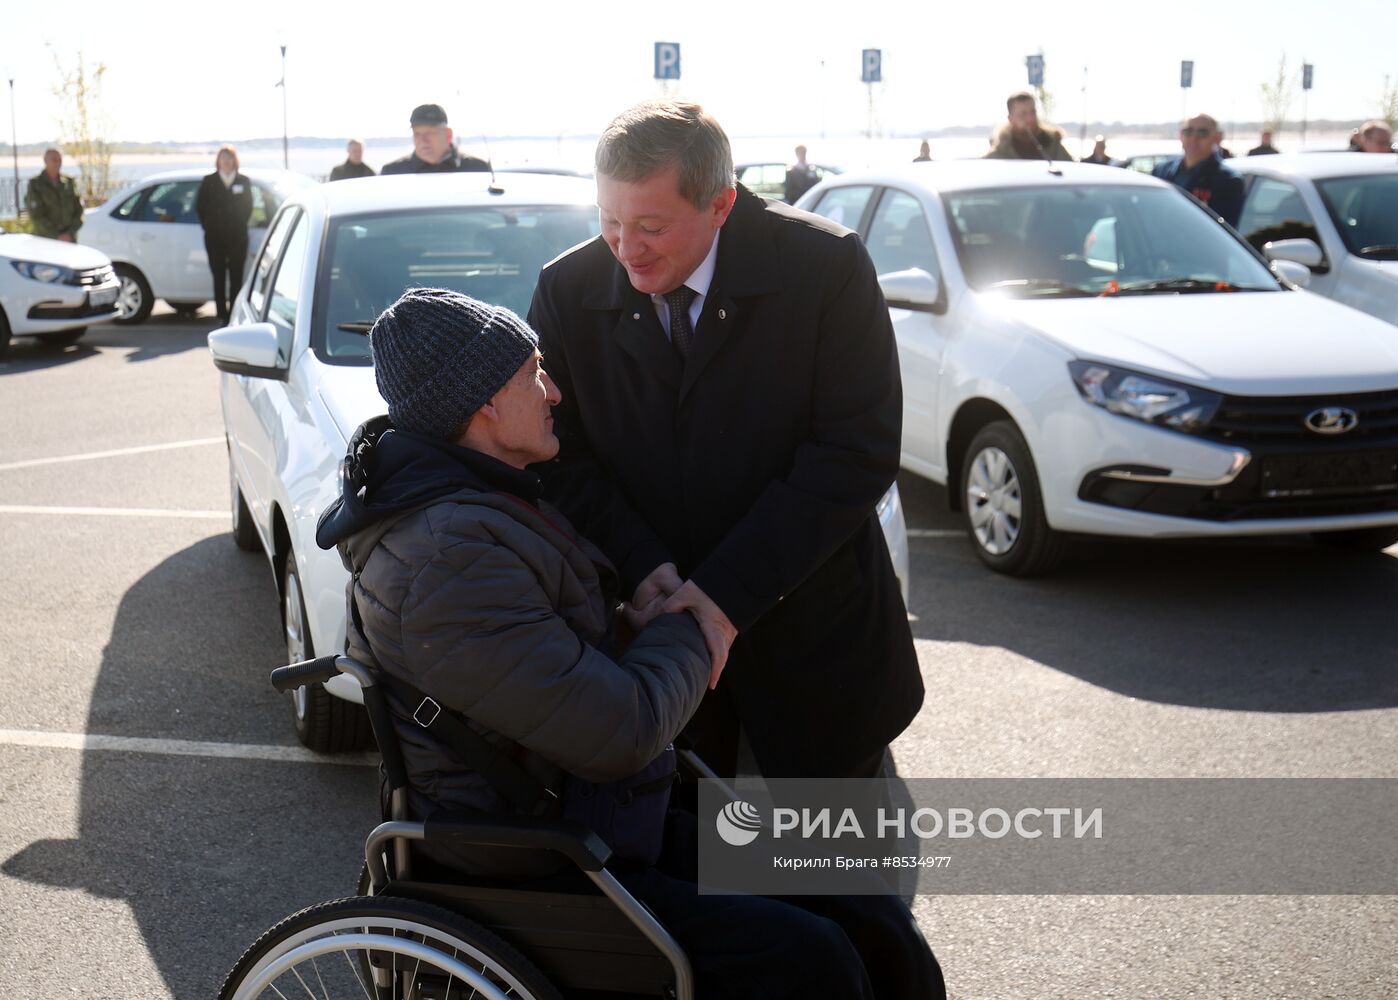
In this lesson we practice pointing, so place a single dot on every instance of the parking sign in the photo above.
(1035, 65)
(873, 66)
(1306, 69)
(1186, 73)
(667, 60)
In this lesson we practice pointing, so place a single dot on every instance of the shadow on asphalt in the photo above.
(162, 334)
(1267, 625)
(206, 852)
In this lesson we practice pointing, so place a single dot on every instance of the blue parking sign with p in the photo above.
(1186, 73)
(667, 60)
(872, 71)
(1035, 65)
(1306, 71)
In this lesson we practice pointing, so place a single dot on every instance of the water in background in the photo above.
(575, 153)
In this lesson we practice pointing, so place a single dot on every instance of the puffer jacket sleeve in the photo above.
(483, 639)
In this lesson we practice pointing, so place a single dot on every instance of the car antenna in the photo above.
(1056, 171)
(490, 164)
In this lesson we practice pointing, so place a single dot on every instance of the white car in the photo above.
(152, 234)
(298, 379)
(1090, 351)
(1336, 213)
(52, 290)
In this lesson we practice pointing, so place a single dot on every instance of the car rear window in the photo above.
(490, 253)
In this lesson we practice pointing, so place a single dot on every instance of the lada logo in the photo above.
(1332, 420)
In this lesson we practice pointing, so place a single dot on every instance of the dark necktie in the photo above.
(681, 333)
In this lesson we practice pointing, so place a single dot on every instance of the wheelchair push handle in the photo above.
(295, 675)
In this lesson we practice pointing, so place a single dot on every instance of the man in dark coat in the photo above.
(1200, 169)
(731, 418)
(433, 149)
(354, 165)
(470, 587)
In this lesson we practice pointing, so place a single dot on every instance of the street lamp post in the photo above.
(14, 146)
(286, 155)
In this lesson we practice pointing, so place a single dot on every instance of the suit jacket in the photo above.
(755, 466)
(224, 211)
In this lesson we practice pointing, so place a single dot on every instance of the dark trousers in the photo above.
(759, 948)
(767, 948)
(226, 259)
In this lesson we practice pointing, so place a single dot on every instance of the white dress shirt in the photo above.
(699, 281)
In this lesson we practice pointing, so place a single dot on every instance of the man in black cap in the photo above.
(433, 149)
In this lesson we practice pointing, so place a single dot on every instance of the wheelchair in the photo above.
(429, 939)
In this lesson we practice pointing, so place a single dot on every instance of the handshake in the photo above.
(663, 592)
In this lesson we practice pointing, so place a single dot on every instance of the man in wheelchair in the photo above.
(475, 599)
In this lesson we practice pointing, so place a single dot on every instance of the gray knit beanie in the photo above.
(439, 356)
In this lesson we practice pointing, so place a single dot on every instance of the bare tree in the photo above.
(82, 125)
(1277, 95)
(1388, 102)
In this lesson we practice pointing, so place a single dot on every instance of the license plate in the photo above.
(1327, 475)
(102, 297)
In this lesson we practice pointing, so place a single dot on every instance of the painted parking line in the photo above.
(177, 748)
(116, 453)
(935, 533)
(198, 515)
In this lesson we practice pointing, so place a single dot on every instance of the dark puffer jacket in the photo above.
(472, 589)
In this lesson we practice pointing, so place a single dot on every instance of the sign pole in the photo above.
(1307, 74)
(871, 72)
(14, 146)
(286, 154)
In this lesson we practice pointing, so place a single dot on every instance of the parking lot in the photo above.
(156, 813)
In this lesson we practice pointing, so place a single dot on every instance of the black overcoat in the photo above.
(224, 211)
(756, 467)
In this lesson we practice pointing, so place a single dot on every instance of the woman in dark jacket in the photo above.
(224, 205)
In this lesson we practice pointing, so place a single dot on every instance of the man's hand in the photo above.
(719, 632)
(651, 594)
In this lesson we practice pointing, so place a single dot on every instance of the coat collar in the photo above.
(747, 266)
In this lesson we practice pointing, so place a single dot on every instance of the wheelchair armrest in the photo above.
(565, 836)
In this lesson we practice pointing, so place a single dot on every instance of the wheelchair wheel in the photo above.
(383, 949)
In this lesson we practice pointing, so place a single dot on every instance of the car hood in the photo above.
(351, 397)
(22, 246)
(1245, 343)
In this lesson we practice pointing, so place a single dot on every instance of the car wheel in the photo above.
(1359, 539)
(67, 338)
(1003, 506)
(186, 310)
(134, 300)
(324, 723)
(244, 531)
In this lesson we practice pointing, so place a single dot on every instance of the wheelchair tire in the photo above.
(329, 950)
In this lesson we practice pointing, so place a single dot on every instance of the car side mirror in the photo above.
(1305, 252)
(1292, 272)
(912, 289)
(248, 349)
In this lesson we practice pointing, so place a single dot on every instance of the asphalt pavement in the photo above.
(156, 815)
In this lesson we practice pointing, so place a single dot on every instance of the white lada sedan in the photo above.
(52, 290)
(1090, 351)
(298, 377)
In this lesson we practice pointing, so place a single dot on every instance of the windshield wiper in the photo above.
(1049, 285)
(359, 326)
(1175, 285)
(1382, 252)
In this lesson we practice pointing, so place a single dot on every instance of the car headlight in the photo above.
(51, 274)
(1145, 397)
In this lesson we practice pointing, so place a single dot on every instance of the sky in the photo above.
(182, 72)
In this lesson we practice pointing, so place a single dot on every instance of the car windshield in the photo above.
(1365, 211)
(491, 253)
(1098, 239)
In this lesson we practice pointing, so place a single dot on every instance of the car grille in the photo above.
(1281, 420)
(95, 276)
